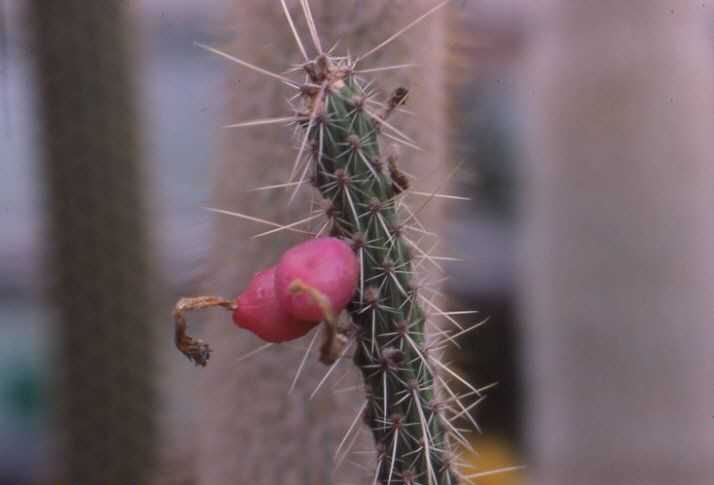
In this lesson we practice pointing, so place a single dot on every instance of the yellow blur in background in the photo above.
(494, 461)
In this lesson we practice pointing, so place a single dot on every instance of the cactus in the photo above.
(359, 187)
(341, 154)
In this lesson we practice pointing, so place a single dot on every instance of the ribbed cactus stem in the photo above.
(360, 188)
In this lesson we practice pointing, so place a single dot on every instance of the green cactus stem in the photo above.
(360, 188)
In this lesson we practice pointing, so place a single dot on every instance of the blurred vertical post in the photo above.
(250, 428)
(619, 288)
(97, 232)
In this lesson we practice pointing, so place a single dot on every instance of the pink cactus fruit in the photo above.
(327, 265)
(258, 310)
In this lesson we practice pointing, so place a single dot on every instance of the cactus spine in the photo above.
(360, 188)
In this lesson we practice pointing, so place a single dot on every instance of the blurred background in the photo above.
(581, 134)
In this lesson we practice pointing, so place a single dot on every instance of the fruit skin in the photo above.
(258, 310)
(326, 264)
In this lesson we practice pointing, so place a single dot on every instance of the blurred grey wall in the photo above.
(619, 277)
